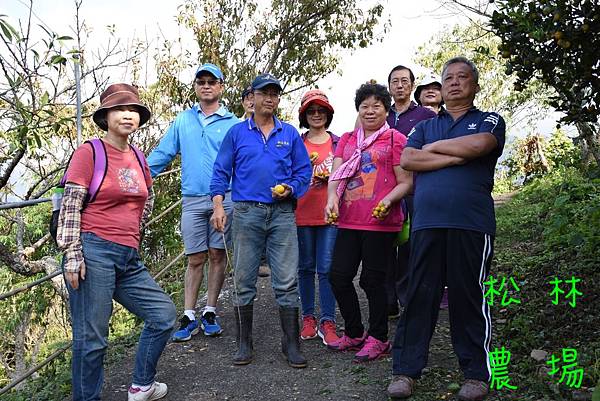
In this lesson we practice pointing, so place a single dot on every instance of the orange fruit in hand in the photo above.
(280, 189)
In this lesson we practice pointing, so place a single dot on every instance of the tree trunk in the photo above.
(589, 133)
(20, 349)
(541, 155)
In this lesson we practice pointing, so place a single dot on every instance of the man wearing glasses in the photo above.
(270, 169)
(196, 134)
(403, 116)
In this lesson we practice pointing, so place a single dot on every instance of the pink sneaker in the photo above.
(346, 343)
(372, 349)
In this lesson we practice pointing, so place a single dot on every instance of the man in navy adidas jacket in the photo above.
(453, 228)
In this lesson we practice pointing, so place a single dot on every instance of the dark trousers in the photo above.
(461, 260)
(372, 248)
(396, 279)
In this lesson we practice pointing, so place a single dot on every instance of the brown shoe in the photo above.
(264, 271)
(473, 390)
(401, 386)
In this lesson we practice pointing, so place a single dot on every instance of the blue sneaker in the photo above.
(209, 324)
(187, 329)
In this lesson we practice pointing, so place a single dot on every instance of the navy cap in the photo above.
(265, 79)
(210, 68)
(246, 92)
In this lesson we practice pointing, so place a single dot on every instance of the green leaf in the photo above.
(5, 30)
(38, 140)
(44, 99)
(58, 59)
(64, 38)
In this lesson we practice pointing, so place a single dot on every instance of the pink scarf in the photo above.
(351, 166)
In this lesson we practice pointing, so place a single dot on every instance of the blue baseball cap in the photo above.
(211, 69)
(246, 92)
(265, 79)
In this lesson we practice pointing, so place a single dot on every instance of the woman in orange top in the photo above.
(315, 236)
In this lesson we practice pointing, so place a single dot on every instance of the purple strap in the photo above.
(100, 166)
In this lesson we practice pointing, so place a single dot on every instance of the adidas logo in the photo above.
(472, 126)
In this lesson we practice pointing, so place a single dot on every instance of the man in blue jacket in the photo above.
(270, 169)
(196, 134)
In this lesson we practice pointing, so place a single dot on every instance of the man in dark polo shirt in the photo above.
(403, 116)
(453, 230)
(405, 113)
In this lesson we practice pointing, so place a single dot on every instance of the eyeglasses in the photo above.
(272, 95)
(210, 82)
(397, 82)
(311, 112)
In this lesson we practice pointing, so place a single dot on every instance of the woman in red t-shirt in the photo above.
(100, 238)
(316, 237)
(364, 189)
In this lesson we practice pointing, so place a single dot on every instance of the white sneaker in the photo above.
(155, 392)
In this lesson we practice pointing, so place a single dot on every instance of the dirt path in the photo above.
(201, 369)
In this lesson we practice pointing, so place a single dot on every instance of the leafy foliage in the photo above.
(536, 155)
(551, 229)
(297, 41)
(556, 42)
(497, 93)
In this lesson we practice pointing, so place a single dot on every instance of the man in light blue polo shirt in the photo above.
(453, 229)
(196, 134)
(269, 168)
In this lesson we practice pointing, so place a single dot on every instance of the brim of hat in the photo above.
(208, 72)
(99, 114)
(267, 84)
(320, 102)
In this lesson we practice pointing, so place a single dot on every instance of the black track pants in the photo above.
(461, 260)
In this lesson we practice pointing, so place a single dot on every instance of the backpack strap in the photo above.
(100, 167)
(141, 158)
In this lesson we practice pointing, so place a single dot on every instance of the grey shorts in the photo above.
(197, 232)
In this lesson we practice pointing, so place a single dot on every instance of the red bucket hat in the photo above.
(315, 96)
(120, 95)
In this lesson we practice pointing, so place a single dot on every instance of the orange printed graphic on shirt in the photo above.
(363, 186)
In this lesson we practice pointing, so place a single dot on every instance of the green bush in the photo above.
(551, 228)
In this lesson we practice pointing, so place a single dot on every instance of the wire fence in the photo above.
(50, 276)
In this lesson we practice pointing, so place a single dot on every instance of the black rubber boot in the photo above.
(290, 342)
(243, 324)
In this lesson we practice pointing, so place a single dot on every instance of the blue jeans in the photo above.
(115, 271)
(256, 227)
(315, 245)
